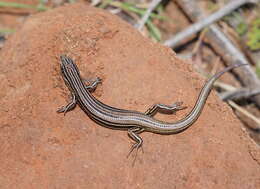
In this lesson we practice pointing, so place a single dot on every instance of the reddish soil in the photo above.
(43, 149)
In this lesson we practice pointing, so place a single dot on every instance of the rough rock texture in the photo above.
(42, 149)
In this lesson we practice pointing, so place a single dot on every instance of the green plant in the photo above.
(39, 7)
(154, 32)
(253, 36)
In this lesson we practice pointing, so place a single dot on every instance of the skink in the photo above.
(133, 121)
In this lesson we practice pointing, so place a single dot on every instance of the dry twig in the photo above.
(224, 47)
(95, 2)
(194, 28)
(238, 94)
(243, 111)
(152, 6)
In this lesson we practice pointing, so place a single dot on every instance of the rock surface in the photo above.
(43, 149)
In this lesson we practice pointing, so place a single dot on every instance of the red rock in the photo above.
(43, 149)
